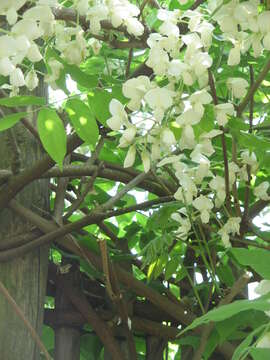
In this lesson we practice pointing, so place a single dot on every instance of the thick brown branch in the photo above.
(18, 182)
(79, 300)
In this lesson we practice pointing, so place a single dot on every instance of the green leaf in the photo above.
(245, 343)
(99, 103)
(81, 77)
(8, 121)
(237, 124)
(260, 354)
(48, 337)
(22, 101)
(225, 274)
(257, 259)
(227, 311)
(251, 141)
(82, 120)
(52, 135)
(90, 346)
(251, 319)
(171, 267)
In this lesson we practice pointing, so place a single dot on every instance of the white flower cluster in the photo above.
(179, 55)
(118, 12)
(142, 91)
(184, 59)
(37, 22)
(20, 42)
(244, 27)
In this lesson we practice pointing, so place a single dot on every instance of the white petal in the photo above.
(130, 158)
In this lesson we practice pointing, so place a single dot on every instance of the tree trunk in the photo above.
(25, 277)
(67, 337)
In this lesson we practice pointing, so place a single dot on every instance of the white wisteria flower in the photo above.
(263, 288)
(249, 158)
(222, 112)
(135, 89)
(184, 223)
(260, 191)
(188, 190)
(95, 15)
(234, 55)
(82, 6)
(232, 227)
(218, 185)
(233, 170)
(130, 157)
(16, 78)
(167, 137)
(6, 66)
(127, 136)
(198, 99)
(119, 115)
(55, 70)
(31, 80)
(238, 87)
(159, 99)
(204, 205)
(145, 156)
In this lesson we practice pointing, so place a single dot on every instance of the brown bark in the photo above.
(25, 277)
(67, 337)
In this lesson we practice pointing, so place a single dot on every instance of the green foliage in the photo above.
(257, 259)
(82, 121)
(8, 121)
(52, 134)
(22, 101)
(148, 242)
(227, 311)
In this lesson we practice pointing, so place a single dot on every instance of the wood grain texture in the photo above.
(25, 277)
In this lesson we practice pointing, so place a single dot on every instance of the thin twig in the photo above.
(234, 187)
(251, 108)
(223, 141)
(130, 55)
(253, 88)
